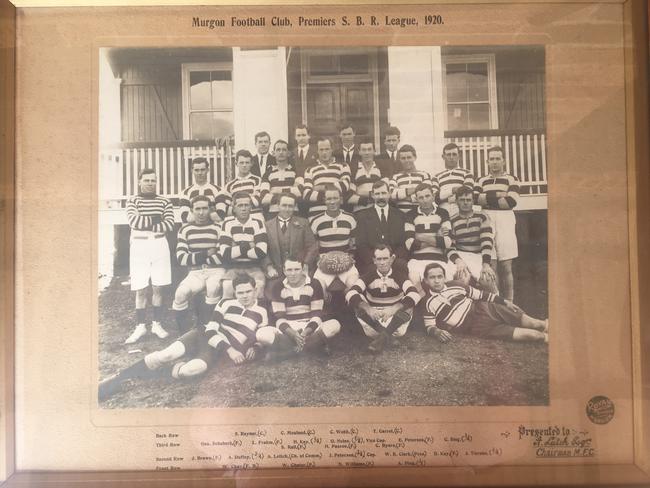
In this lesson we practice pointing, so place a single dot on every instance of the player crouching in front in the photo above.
(297, 304)
(457, 307)
(231, 331)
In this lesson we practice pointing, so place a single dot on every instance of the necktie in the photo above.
(392, 155)
(347, 157)
(284, 226)
(261, 165)
(302, 156)
(383, 217)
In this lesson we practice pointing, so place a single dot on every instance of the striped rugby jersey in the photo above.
(278, 180)
(154, 213)
(320, 175)
(471, 234)
(486, 190)
(243, 244)
(194, 240)
(237, 325)
(383, 291)
(421, 224)
(448, 180)
(361, 185)
(408, 180)
(449, 308)
(334, 233)
(301, 303)
(249, 184)
(218, 200)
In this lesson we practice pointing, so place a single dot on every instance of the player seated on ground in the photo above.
(456, 307)
(472, 243)
(383, 299)
(297, 305)
(243, 243)
(334, 230)
(231, 331)
(196, 248)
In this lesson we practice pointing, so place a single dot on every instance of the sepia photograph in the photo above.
(322, 227)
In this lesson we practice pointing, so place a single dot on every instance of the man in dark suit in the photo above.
(348, 152)
(380, 223)
(262, 160)
(289, 237)
(304, 154)
(388, 161)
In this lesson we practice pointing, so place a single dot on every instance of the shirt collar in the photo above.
(435, 208)
(387, 275)
(286, 284)
(379, 209)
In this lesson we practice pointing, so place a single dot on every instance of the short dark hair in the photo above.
(431, 266)
(280, 141)
(241, 194)
(449, 147)
(392, 131)
(495, 148)
(301, 126)
(382, 247)
(346, 125)
(146, 171)
(423, 186)
(243, 152)
(293, 260)
(259, 135)
(463, 190)
(200, 160)
(199, 198)
(407, 148)
(242, 279)
(366, 140)
(323, 138)
(278, 196)
(330, 187)
(379, 184)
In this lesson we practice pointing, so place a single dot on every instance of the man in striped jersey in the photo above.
(404, 183)
(245, 181)
(451, 178)
(297, 304)
(460, 308)
(364, 174)
(231, 331)
(243, 244)
(326, 172)
(150, 217)
(383, 300)
(279, 178)
(472, 243)
(196, 248)
(334, 230)
(427, 235)
(201, 186)
(498, 194)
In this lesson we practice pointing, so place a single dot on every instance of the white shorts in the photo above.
(371, 332)
(505, 238)
(149, 260)
(196, 281)
(348, 277)
(416, 271)
(474, 262)
(266, 335)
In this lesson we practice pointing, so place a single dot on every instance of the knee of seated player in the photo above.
(212, 290)
(265, 335)
(330, 328)
(181, 297)
(228, 292)
(191, 368)
(171, 353)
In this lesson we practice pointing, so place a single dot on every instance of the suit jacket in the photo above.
(339, 155)
(369, 233)
(302, 243)
(255, 167)
(386, 165)
(310, 159)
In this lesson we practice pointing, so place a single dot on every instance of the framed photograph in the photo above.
(325, 244)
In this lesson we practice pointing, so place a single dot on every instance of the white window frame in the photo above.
(490, 60)
(371, 77)
(186, 69)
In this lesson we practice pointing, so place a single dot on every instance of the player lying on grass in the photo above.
(231, 331)
(456, 307)
(297, 303)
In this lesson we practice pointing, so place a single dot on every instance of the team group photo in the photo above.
(366, 228)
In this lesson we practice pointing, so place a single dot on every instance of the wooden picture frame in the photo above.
(635, 38)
